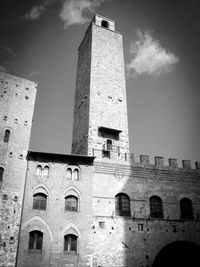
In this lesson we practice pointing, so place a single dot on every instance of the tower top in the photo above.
(104, 22)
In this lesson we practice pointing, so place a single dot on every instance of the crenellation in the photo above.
(159, 161)
(186, 164)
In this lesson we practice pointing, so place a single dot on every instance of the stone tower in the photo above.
(100, 111)
(17, 98)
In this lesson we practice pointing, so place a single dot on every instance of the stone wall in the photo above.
(17, 97)
(54, 221)
(136, 240)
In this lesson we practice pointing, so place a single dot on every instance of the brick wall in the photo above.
(54, 221)
(17, 97)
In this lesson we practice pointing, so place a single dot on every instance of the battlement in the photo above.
(145, 160)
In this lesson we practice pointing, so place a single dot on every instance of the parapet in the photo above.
(160, 162)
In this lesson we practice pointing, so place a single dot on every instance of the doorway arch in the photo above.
(178, 254)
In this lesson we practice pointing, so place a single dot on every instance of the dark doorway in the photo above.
(178, 254)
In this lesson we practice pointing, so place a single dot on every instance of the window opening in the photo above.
(109, 144)
(76, 175)
(186, 209)
(156, 210)
(69, 174)
(39, 170)
(45, 172)
(122, 205)
(71, 203)
(70, 243)
(6, 136)
(39, 201)
(35, 240)
(104, 23)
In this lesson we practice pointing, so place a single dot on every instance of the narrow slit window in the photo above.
(6, 136)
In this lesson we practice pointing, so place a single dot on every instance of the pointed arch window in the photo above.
(39, 201)
(45, 172)
(71, 203)
(39, 170)
(69, 174)
(156, 208)
(6, 136)
(70, 243)
(186, 209)
(75, 175)
(1, 176)
(122, 205)
(35, 240)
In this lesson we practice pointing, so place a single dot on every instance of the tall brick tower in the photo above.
(17, 98)
(100, 111)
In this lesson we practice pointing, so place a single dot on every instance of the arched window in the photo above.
(71, 203)
(70, 243)
(109, 144)
(35, 240)
(104, 23)
(186, 209)
(45, 172)
(69, 174)
(156, 209)
(6, 136)
(75, 175)
(39, 171)
(122, 205)
(39, 201)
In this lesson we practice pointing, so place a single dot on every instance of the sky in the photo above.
(39, 41)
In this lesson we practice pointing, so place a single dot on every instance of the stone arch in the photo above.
(37, 218)
(41, 188)
(71, 228)
(72, 190)
(178, 254)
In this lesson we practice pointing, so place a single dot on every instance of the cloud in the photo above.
(36, 11)
(8, 59)
(77, 11)
(147, 56)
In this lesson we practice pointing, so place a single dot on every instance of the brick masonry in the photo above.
(17, 98)
(104, 238)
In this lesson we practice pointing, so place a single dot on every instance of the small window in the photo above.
(156, 209)
(70, 243)
(104, 24)
(102, 225)
(35, 240)
(69, 174)
(39, 171)
(39, 201)
(122, 205)
(186, 209)
(6, 136)
(109, 144)
(140, 227)
(1, 176)
(71, 203)
(45, 172)
(75, 175)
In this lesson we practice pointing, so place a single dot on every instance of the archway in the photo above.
(178, 254)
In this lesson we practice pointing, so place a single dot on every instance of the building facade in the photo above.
(96, 207)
